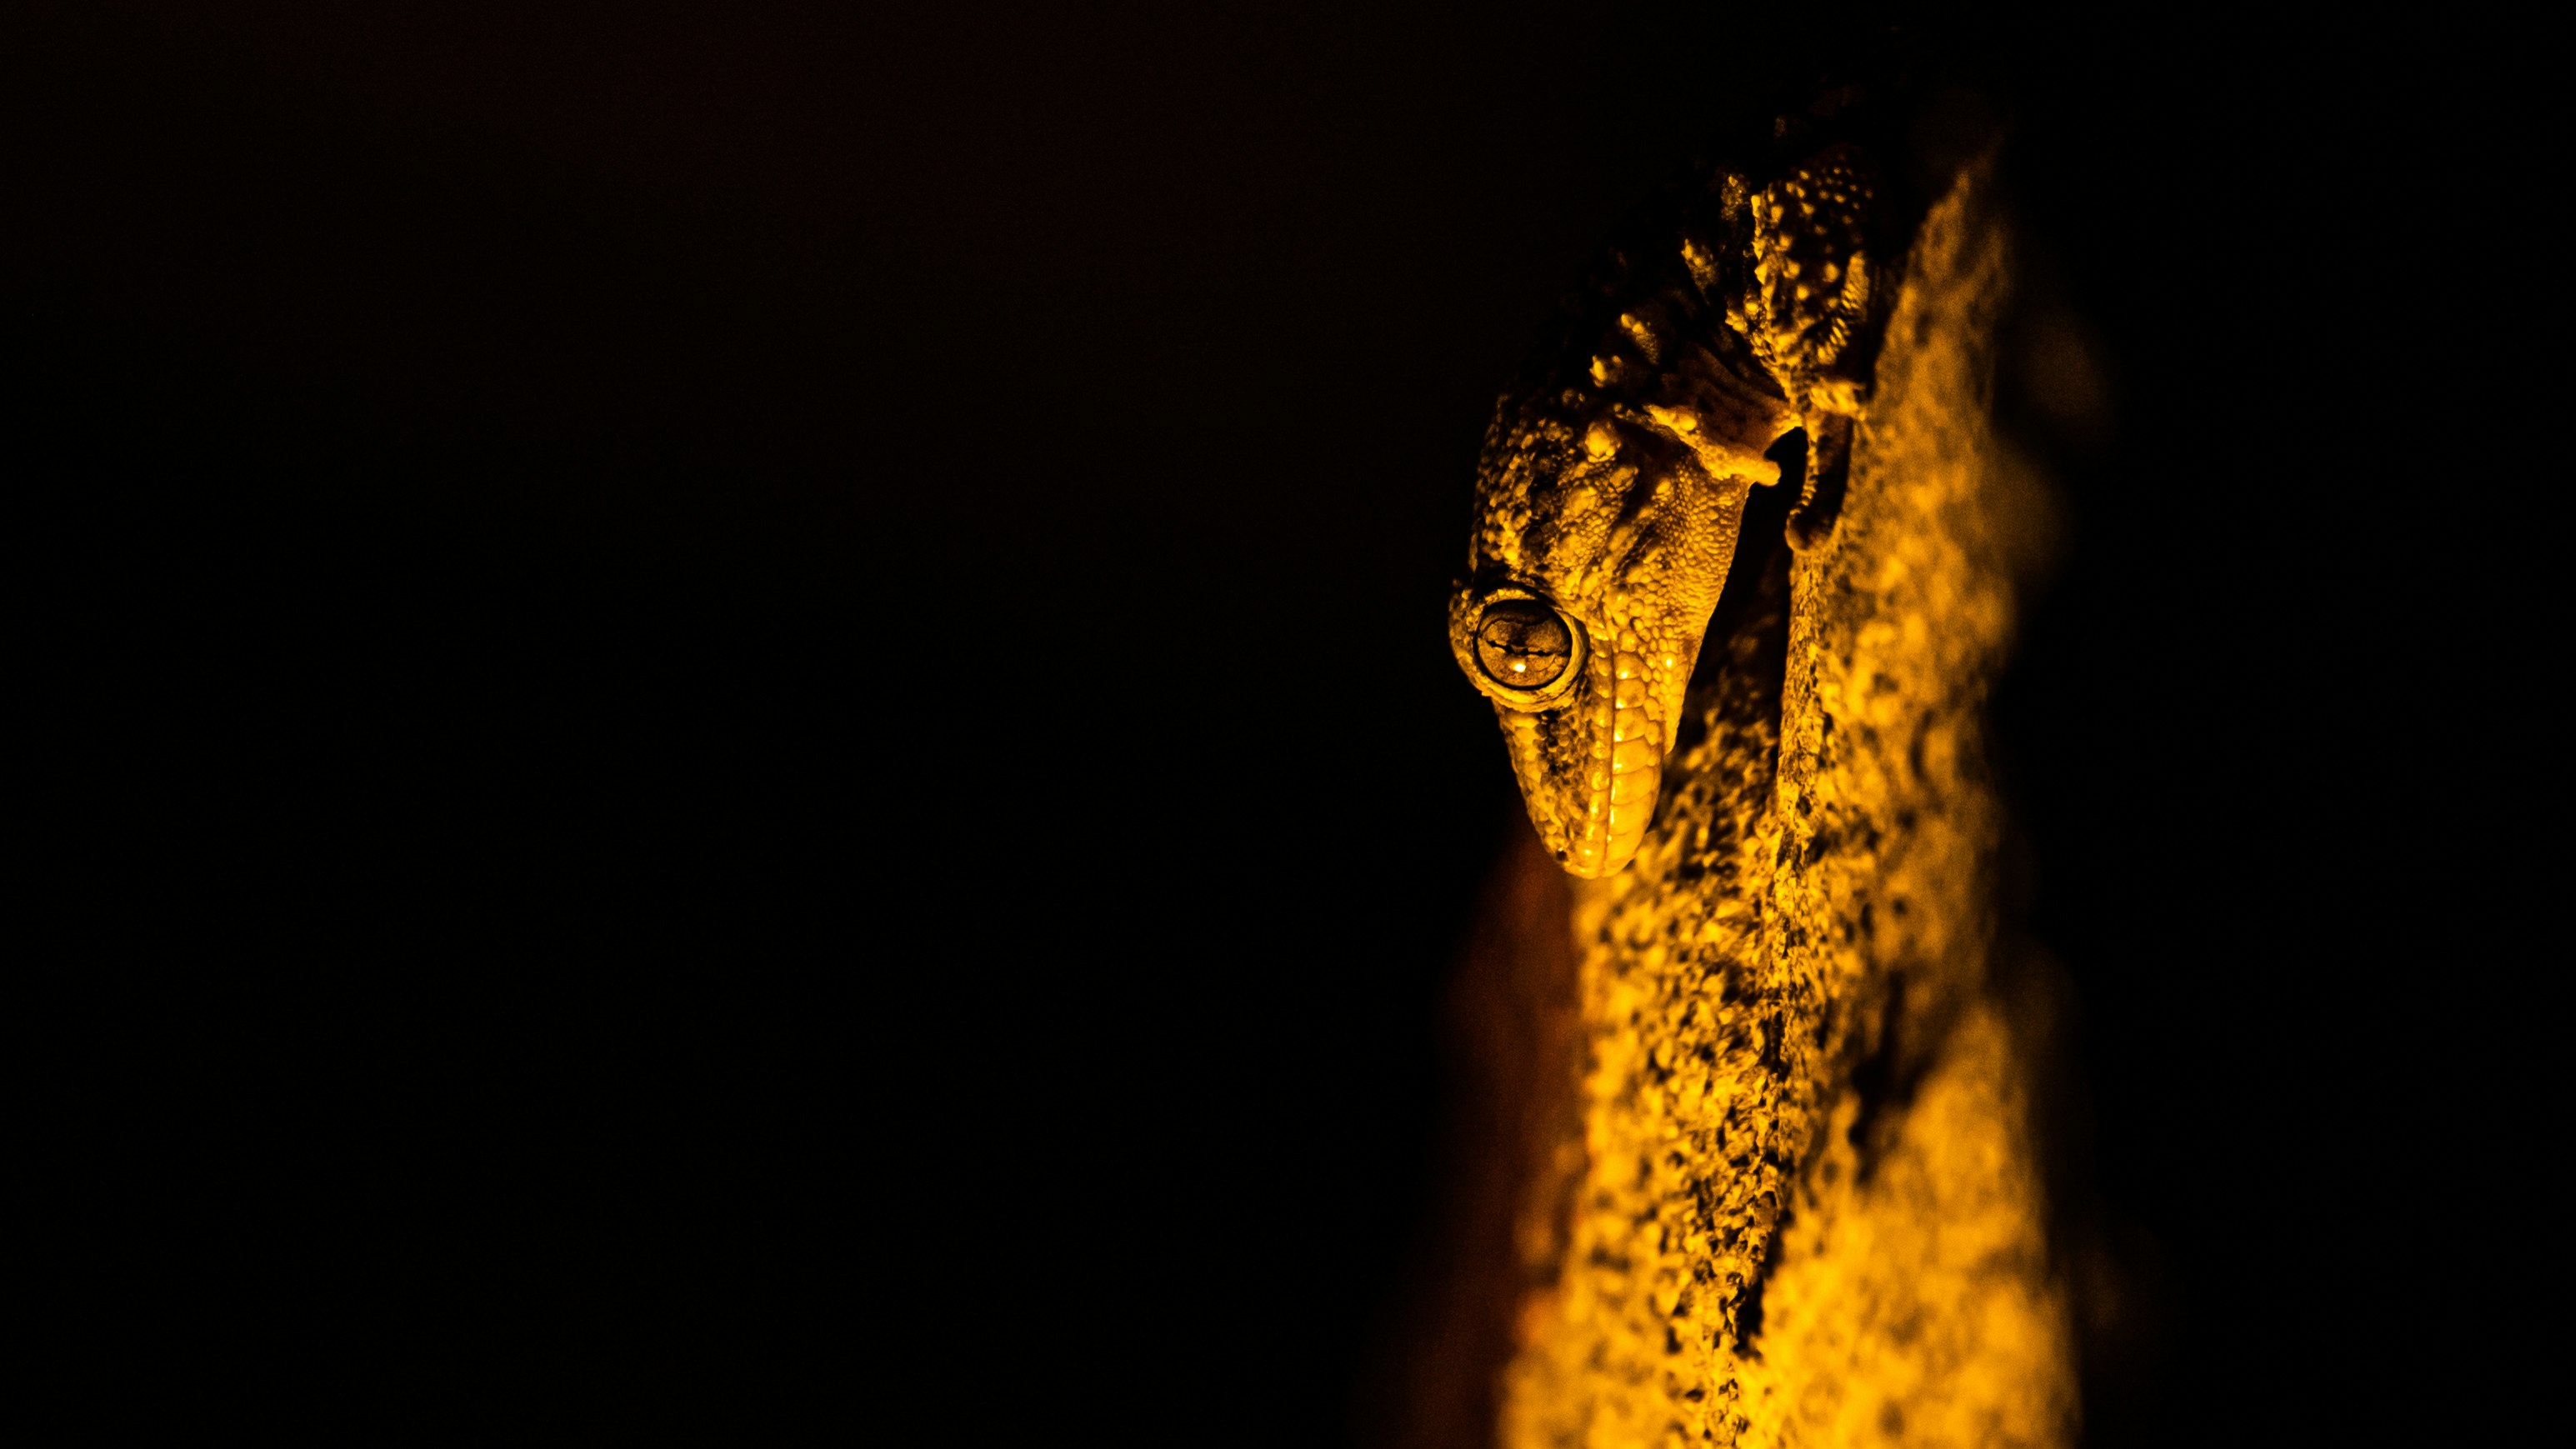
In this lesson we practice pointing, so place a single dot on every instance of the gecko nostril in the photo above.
(1523, 643)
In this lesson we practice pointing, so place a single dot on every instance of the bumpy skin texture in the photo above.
(1808, 1210)
(1614, 478)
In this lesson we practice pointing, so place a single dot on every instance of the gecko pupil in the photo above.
(1522, 643)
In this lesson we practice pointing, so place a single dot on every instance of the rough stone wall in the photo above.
(1808, 1210)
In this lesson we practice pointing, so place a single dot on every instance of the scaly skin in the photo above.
(1613, 481)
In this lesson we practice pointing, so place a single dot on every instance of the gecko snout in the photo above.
(1583, 705)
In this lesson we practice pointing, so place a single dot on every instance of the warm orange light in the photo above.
(1801, 1205)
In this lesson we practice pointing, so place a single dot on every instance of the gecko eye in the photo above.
(1522, 643)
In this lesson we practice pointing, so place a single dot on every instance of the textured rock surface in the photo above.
(1807, 1209)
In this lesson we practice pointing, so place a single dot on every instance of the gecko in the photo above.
(1721, 347)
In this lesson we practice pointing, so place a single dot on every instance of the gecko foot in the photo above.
(1823, 470)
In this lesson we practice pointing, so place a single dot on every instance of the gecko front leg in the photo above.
(1807, 302)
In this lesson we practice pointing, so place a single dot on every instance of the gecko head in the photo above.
(1599, 553)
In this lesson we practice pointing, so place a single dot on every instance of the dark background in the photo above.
(738, 712)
